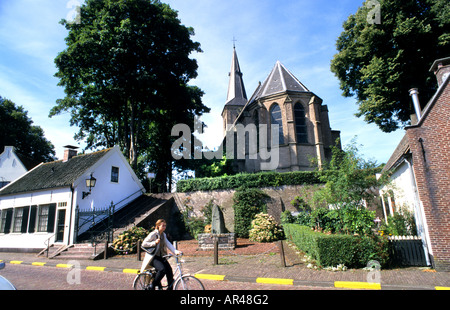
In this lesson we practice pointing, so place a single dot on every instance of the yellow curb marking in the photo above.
(64, 266)
(442, 288)
(95, 268)
(16, 262)
(275, 281)
(38, 264)
(357, 285)
(131, 271)
(217, 277)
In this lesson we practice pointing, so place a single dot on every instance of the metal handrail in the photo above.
(47, 242)
(140, 190)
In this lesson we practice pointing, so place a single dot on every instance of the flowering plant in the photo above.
(264, 228)
(126, 242)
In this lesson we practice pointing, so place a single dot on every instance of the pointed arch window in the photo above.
(300, 123)
(275, 117)
(256, 122)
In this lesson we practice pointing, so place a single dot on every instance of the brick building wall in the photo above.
(430, 146)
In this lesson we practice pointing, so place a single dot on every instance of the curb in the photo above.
(335, 284)
(69, 266)
(260, 280)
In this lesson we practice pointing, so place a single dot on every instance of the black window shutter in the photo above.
(9, 214)
(51, 218)
(32, 224)
(26, 210)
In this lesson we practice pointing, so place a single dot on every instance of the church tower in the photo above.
(236, 97)
(301, 119)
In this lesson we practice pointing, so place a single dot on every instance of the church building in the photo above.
(303, 131)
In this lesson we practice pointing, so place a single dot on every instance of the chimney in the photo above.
(414, 93)
(441, 68)
(69, 152)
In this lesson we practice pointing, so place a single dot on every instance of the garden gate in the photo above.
(99, 223)
(407, 251)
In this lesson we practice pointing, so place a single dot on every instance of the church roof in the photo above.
(279, 80)
(236, 90)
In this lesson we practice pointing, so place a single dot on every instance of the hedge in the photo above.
(332, 250)
(261, 179)
(247, 203)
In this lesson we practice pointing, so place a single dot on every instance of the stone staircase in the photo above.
(79, 251)
(139, 219)
(134, 214)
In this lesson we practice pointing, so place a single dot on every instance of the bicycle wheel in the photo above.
(189, 283)
(142, 281)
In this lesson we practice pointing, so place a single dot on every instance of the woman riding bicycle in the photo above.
(157, 241)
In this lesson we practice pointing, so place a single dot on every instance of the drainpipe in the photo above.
(70, 216)
(418, 211)
(414, 93)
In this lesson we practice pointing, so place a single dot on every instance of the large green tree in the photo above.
(125, 72)
(378, 61)
(17, 129)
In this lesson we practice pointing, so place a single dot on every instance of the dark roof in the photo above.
(236, 90)
(279, 80)
(54, 174)
(401, 150)
(443, 61)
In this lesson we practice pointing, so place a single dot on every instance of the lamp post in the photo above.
(151, 175)
(90, 183)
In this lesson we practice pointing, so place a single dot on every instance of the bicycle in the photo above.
(181, 281)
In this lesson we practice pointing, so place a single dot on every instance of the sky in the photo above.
(301, 34)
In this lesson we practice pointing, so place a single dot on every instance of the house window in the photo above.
(115, 174)
(275, 116)
(2, 220)
(46, 218)
(43, 218)
(300, 123)
(18, 217)
(5, 220)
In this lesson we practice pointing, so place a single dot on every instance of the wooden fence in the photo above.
(407, 251)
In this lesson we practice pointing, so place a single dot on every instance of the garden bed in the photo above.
(243, 247)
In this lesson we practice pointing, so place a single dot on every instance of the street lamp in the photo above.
(90, 183)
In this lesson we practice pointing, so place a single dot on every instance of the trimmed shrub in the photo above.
(265, 229)
(247, 203)
(331, 250)
(250, 180)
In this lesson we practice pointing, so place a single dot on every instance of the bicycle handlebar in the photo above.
(172, 255)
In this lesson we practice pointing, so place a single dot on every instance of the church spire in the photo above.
(236, 90)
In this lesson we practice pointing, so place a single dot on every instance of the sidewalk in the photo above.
(261, 268)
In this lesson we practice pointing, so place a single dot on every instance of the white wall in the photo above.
(402, 187)
(105, 191)
(11, 168)
(37, 239)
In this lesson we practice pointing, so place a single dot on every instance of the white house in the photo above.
(11, 167)
(40, 206)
